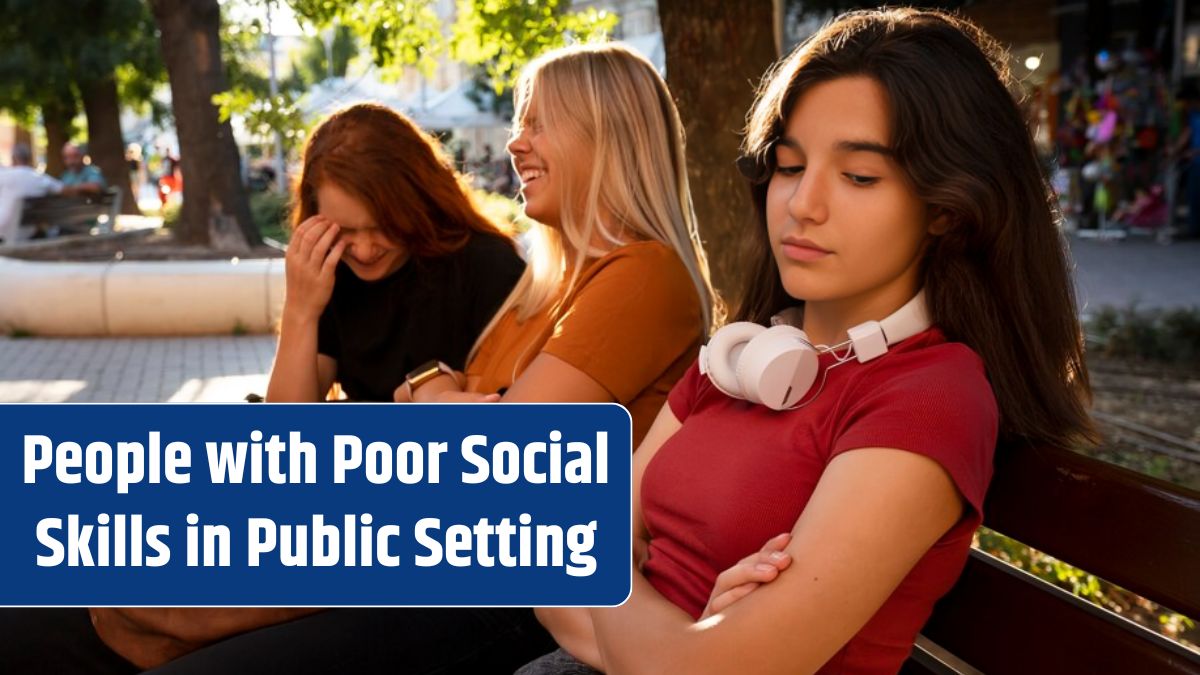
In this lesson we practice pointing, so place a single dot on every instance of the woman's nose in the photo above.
(517, 144)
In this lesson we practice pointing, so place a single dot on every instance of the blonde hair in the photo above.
(612, 102)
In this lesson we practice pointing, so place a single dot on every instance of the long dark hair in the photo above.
(998, 280)
(398, 172)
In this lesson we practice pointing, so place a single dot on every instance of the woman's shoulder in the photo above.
(490, 252)
(489, 244)
(640, 261)
(929, 364)
(931, 348)
(643, 250)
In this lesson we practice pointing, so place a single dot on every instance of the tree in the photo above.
(714, 95)
(215, 208)
(59, 54)
(105, 35)
(33, 77)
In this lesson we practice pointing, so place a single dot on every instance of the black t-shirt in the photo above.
(430, 308)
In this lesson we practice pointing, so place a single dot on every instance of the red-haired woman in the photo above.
(391, 264)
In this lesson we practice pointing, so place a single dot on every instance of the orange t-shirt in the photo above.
(632, 324)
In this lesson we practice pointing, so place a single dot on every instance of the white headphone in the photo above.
(777, 366)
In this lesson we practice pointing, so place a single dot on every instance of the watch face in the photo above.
(424, 372)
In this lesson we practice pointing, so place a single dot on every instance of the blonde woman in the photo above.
(616, 298)
(612, 307)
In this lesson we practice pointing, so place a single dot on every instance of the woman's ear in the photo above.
(941, 222)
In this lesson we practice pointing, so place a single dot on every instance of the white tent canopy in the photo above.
(453, 109)
(339, 92)
(450, 109)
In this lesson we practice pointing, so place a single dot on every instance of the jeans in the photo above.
(557, 663)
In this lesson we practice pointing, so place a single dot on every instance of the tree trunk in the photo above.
(215, 208)
(717, 51)
(106, 143)
(56, 118)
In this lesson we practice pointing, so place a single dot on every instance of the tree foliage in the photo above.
(310, 64)
(51, 49)
(398, 33)
(504, 35)
(501, 36)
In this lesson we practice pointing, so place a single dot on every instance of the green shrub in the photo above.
(1168, 336)
(170, 214)
(269, 211)
(1089, 587)
(504, 211)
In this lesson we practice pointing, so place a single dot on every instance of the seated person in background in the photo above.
(17, 183)
(391, 264)
(80, 178)
(617, 297)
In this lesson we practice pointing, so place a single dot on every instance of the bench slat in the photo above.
(1140, 533)
(1003, 620)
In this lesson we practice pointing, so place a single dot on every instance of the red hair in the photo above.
(398, 172)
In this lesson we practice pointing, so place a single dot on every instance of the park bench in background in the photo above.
(53, 215)
(1137, 532)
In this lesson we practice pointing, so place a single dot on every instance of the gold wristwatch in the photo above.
(424, 373)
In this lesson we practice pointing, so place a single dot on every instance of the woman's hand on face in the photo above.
(758, 568)
(311, 260)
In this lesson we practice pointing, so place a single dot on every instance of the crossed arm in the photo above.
(874, 513)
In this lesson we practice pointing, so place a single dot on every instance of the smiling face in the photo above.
(535, 154)
(369, 253)
(844, 222)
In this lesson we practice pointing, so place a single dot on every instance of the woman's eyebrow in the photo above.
(865, 146)
(844, 146)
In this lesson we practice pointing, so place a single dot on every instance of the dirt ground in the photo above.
(1160, 397)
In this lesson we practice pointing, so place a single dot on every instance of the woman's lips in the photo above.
(367, 263)
(803, 251)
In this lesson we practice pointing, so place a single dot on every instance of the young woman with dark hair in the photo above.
(391, 263)
(909, 255)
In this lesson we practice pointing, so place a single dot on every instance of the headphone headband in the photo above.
(777, 366)
(871, 339)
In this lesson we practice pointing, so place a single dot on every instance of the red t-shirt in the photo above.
(736, 474)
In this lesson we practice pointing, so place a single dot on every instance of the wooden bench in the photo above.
(1137, 532)
(55, 214)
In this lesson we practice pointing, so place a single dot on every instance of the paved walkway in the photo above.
(134, 369)
(1136, 270)
(227, 368)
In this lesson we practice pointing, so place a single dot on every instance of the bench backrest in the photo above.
(72, 213)
(1138, 532)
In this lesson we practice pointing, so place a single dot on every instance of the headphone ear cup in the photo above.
(777, 367)
(723, 351)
